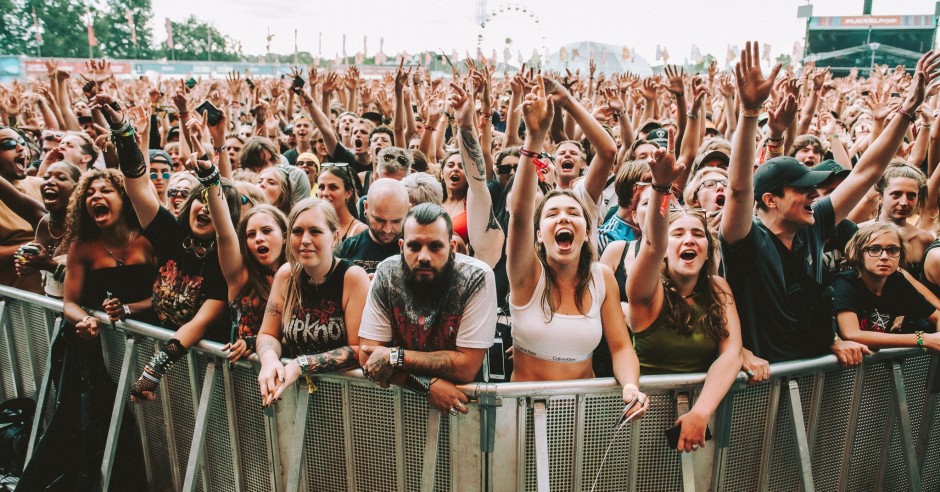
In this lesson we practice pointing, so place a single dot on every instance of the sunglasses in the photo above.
(244, 199)
(401, 159)
(176, 192)
(505, 169)
(11, 143)
(875, 251)
(306, 163)
(165, 175)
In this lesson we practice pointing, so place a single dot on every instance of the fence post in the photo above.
(8, 348)
(295, 462)
(685, 459)
(540, 417)
(804, 464)
(904, 420)
(232, 425)
(43, 391)
(117, 413)
(430, 450)
(199, 431)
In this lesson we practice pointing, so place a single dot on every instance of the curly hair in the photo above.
(676, 311)
(79, 224)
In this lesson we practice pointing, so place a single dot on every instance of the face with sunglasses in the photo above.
(177, 194)
(711, 192)
(14, 155)
(160, 173)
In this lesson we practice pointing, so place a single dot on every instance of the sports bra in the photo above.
(566, 337)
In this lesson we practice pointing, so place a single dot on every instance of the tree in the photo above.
(114, 32)
(191, 40)
(64, 32)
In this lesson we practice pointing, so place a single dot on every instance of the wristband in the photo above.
(750, 113)
(127, 311)
(430, 128)
(692, 116)
(667, 188)
(616, 115)
(208, 177)
(85, 319)
(909, 116)
(418, 384)
(528, 153)
(920, 340)
(772, 139)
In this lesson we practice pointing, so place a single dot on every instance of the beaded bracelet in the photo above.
(750, 113)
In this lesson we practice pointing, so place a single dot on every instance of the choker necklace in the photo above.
(328, 273)
(198, 249)
(689, 296)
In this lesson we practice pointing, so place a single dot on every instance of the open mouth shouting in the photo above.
(50, 194)
(564, 238)
(720, 200)
(100, 212)
(567, 165)
(203, 219)
(688, 255)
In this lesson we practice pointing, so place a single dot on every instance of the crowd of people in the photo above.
(680, 223)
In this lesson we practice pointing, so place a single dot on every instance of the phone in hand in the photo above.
(251, 85)
(213, 115)
(190, 82)
(29, 250)
(672, 436)
(298, 83)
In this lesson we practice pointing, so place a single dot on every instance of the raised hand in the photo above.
(674, 78)
(924, 74)
(536, 112)
(753, 88)
(330, 83)
(780, 119)
(461, 102)
(663, 166)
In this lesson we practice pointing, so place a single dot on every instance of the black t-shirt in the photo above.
(291, 156)
(184, 282)
(785, 309)
(342, 154)
(877, 313)
(363, 251)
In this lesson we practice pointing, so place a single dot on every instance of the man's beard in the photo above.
(432, 287)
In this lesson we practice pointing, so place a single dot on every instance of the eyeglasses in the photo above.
(875, 251)
(400, 158)
(712, 183)
(165, 175)
(176, 192)
(11, 143)
(504, 169)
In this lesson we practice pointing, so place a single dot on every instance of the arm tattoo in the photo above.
(435, 364)
(492, 223)
(272, 309)
(473, 152)
(334, 360)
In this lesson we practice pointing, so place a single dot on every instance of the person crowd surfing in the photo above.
(616, 225)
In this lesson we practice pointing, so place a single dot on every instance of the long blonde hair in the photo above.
(294, 295)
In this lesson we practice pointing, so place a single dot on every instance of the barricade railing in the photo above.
(813, 426)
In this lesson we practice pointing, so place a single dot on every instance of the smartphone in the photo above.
(251, 85)
(213, 115)
(497, 360)
(29, 250)
(85, 120)
(672, 436)
(190, 82)
(298, 83)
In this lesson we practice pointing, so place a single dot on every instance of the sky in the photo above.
(418, 25)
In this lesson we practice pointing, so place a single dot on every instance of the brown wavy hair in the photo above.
(79, 225)
(257, 276)
(676, 311)
(587, 256)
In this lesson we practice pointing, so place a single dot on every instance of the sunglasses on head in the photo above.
(505, 169)
(400, 158)
(164, 175)
(176, 192)
(11, 143)
(50, 136)
(339, 165)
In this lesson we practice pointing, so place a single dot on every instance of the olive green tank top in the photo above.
(663, 350)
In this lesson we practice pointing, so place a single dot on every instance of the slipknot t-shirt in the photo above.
(462, 315)
(318, 322)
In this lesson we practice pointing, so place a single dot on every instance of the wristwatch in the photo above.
(396, 357)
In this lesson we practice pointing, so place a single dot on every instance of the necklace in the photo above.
(120, 261)
(346, 229)
(49, 228)
(198, 249)
(328, 273)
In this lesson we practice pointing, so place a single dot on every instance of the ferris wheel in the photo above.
(503, 12)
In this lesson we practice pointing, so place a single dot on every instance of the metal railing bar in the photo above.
(685, 459)
(295, 462)
(819, 384)
(540, 426)
(348, 442)
(399, 422)
(232, 424)
(521, 445)
(852, 422)
(43, 393)
(117, 413)
(430, 450)
(804, 463)
(904, 420)
(198, 450)
(580, 405)
(170, 433)
(28, 340)
(930, 404)
(770, 426)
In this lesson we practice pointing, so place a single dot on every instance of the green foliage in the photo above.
(114, 32)
(191, 38)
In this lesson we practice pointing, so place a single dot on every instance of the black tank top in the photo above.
(318, 322)
(923, 277)
(621, 273)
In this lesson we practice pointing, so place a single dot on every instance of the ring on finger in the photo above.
(453, 411)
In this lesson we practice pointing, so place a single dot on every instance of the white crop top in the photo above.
(566, 337)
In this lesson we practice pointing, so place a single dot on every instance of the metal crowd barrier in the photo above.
(814, 426)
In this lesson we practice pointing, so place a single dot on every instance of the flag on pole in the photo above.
(659, 52)
(36, 29)
(696, 54)
(665, 55)
(766, 55)
(89, 19)
(169, 33)
(129, 16)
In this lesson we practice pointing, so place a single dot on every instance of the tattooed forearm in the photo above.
(473, 153)
(492, 223)
(436, 364)
(334, 360)
(272, 308)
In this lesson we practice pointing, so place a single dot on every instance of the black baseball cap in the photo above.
(834, 167)
(660, 136)
(785, 171)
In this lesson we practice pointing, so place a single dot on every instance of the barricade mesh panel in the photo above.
(218, 457)
(931, 462)
(38, 322)
(561, 413)
(325, 439)
(915, 370)
(747, 438)
(252, 442)
(831, 428)
(114, 343)
(415, 412)
(154, 423)
(374, 437)
(784, 469)
(871, 428)
(600, 413)
(6, 359)
(659, 467)
(21, 334)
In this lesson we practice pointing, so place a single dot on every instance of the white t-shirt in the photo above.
(463, 315)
